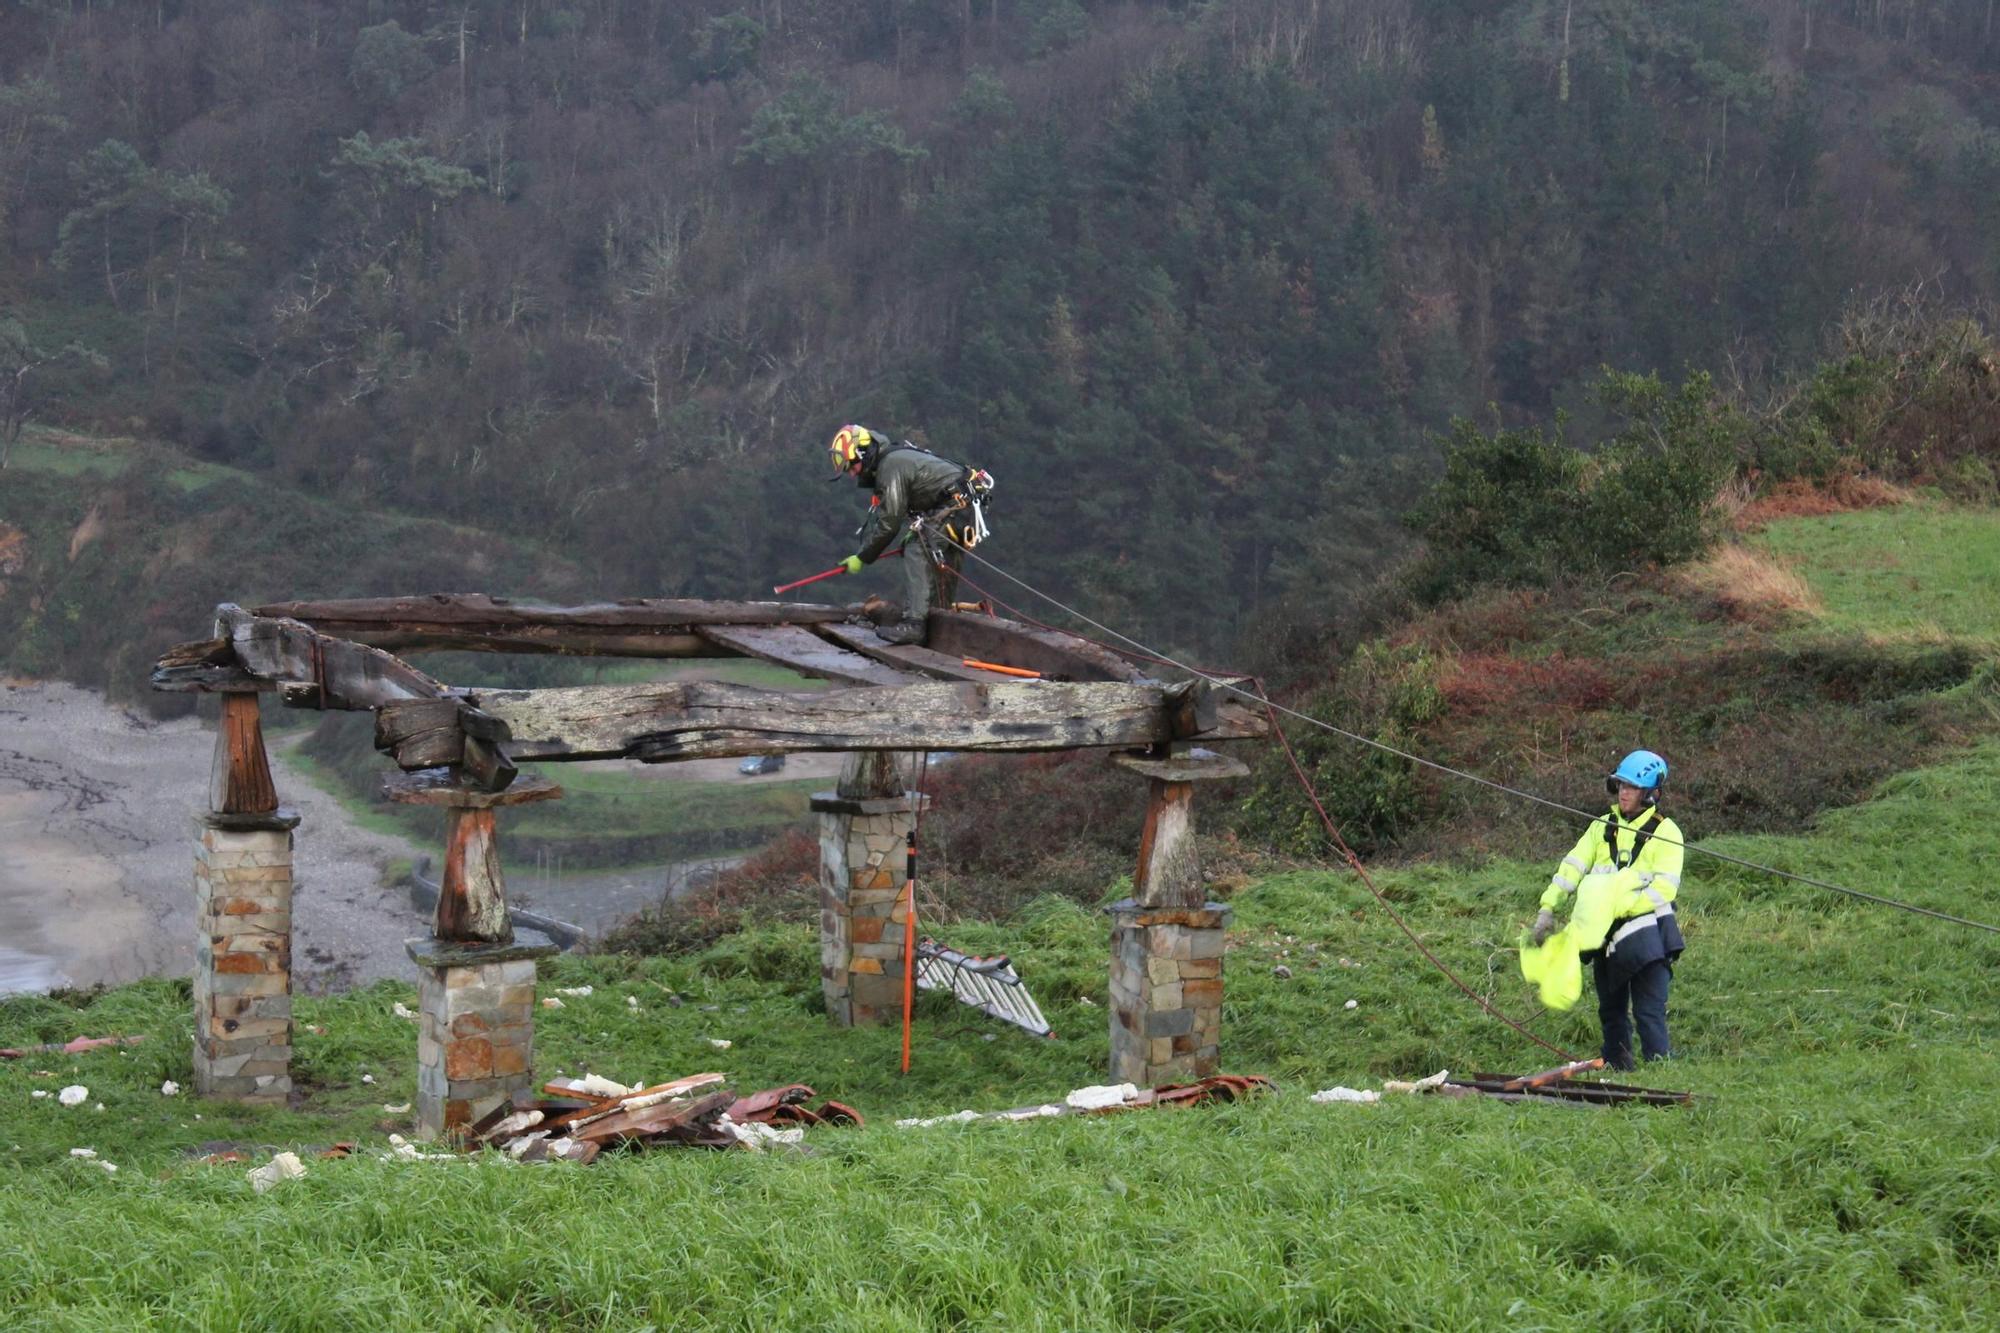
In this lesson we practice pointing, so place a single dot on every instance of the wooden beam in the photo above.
(798, 649)
(906, 657)
(208, 666)
(348, 675)
(705, 719)
(474, 622)
(1056, 655)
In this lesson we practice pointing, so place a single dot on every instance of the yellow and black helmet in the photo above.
(849, 443)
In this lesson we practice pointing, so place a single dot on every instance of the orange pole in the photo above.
(1003, 670)
(909, 941)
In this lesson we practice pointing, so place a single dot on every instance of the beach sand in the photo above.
(97, 839)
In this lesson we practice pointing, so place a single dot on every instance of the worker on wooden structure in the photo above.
(1621, 877)
(933, 504)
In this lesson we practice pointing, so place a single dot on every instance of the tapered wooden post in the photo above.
(239, 781)
(476, 974)
(472, 897)
(243, 918)
(1167, 938)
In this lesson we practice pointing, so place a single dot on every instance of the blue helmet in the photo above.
(1641, 768)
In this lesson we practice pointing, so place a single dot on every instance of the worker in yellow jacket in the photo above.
(1622, 876)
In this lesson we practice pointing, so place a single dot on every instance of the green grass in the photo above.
(607, 816)
(1840, 1173)
(62, 454)
(1923, 569)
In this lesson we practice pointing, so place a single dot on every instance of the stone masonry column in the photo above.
(475, 1026)
(863, 830)
(1167, 938)
(243, 919)
(476, 972)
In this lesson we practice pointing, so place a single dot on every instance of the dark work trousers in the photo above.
(1645, 994)
(924, 584)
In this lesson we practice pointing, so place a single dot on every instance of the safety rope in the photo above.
(1215, 680)
(1333, 831)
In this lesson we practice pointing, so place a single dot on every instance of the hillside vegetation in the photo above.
(1836, 1174)
(1195, 280)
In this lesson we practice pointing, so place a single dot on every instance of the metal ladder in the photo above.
(990, 985)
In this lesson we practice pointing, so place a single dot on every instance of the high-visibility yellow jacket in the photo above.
(1609, 882)
(1623, 877)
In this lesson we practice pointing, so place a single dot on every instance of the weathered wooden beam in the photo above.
(906, 657)
(1058, 656)
(347, 675)
(798, 649)
(706, 719)
(427, 733)
(207, 666)
(474, 622)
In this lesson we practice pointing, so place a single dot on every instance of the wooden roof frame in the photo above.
(337, 654)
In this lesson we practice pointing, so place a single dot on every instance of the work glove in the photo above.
(852, 564)
(1545, 926)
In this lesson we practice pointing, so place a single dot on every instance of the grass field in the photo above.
(1921, 569)
(1839, 1172)
(608, 815)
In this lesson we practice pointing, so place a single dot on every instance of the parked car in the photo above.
(759, 764)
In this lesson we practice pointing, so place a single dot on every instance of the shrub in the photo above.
(1524, 507)
(1373, 797)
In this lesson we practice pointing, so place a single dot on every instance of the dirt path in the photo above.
(97, 853)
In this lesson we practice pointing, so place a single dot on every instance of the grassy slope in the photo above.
(1912, 570)
(1840, 1174)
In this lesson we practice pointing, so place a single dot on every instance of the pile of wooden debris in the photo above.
(575, 1119)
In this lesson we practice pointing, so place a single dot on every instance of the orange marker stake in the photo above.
(909, 941)
(1022, 672)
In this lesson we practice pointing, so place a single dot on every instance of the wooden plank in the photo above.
(635, 627)
(349, 675)
(671, 720)
(799, 649)
(905, 657)
(1058, 656)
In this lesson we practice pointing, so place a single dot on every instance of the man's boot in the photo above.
(901, 632)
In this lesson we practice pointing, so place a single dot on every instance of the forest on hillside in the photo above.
(1202, 283)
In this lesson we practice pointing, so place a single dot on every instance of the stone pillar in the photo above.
(243, 918)
(475, 1026)
(863, 832)
(1167, 938)
(476, 972)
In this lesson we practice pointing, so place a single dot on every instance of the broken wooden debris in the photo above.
(70, 1047)
(1554, 1085)
(1593, 1093)
(576, 1119)
(1529, 1082)
(1119, 1097)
